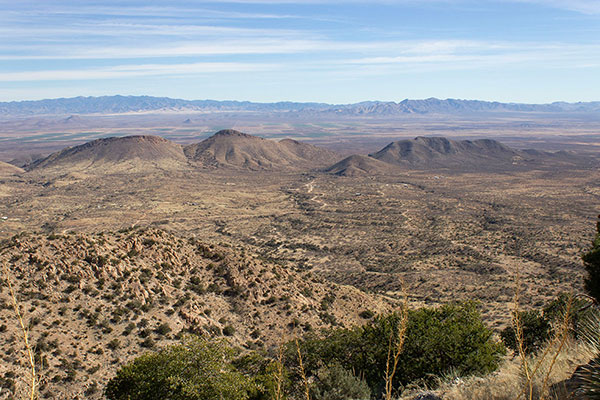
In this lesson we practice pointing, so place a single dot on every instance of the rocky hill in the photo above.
(439, 152)
(93, 302)
(130, 153)
(442, 153)
(230, 148)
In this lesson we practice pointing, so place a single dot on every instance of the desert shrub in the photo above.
(437, 340)
(536, 330)
(591, 262)
(336, 383)
(163, 329)
(114, 344)
(261, 371)
(196, 369)
(228, 330)
(148, 343)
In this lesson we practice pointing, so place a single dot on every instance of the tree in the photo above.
(197, 369)
(591, 261)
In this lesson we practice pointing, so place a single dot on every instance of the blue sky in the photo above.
(312, 50)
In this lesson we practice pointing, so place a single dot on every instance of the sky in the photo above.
(334, 51)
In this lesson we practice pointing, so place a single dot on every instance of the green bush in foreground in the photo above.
(197, 369)
(340, 364)
(452, 337)
(336, 383)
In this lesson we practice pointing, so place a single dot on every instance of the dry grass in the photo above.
(531, 369)
(533, 377)
(508, 381)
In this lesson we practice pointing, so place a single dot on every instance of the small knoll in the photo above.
(9, 169)
(318, 155)
(231, 148)
(129, 153)
(439, 152)
(359, 165)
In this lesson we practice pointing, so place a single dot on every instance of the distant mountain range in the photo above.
(133, 104)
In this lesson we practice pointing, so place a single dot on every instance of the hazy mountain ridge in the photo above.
(126, 104)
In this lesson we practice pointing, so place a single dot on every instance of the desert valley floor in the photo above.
(128, 245)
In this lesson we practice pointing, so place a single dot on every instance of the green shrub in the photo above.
(536, 330)
(114, 344)
(449, 338)
(197, 369)
(162, 329)
(228, 330)
(336, 383)
(261, 371)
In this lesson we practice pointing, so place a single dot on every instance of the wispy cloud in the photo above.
(241, 47)
(468, 55)
(407, 56)
(582, 6)
(132, 71)
(290, 42)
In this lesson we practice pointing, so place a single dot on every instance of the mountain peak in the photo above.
(442, 152)
(231, 148)
(232, 132)
(118, 153)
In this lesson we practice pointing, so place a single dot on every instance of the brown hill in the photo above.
(9, 169)
(94, 302)
(358, 165)
(129, 153)
(439, 152)
(230, 148)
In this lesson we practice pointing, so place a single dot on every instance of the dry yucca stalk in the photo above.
(278, 375)
(395, 347)
(32, 381)
(302, 372)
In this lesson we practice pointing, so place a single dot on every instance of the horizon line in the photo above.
(300, 102)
